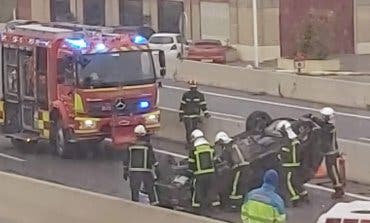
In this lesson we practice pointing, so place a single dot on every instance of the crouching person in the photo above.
(264, 205)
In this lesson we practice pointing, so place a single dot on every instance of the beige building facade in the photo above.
(228, 20)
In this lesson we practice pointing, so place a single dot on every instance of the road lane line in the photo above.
(352, 195)
(268, 102)
(312, 186)
(216, 115)
(211, 112)
(364, 139)
(12, 157)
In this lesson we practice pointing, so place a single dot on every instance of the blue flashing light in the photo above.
(140, 40)
(100, 47)
(144, 104)
(76, 43)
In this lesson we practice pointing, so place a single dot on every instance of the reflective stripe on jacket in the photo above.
(201, 159)
(259, 212)
(192, 103)
(290, 154)
(139, 157)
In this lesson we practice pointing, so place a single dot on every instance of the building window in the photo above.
(60, 11)
(131, 12)
(169, 15)
(215, 20)
(94, 12)
(7, 8)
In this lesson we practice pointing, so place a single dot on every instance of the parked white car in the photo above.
(352, 212)
(170, 43)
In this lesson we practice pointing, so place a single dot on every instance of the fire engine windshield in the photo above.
(116, 69)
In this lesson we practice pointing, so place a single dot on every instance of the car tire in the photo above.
(258, 120)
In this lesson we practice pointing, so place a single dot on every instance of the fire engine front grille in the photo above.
(105, 109)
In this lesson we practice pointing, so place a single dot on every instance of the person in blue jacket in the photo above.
(263, 204)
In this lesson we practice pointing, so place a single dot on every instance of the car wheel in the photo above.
(258, 121)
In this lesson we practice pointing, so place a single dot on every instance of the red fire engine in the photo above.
(67, 85)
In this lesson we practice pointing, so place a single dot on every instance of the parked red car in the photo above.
(211, 51)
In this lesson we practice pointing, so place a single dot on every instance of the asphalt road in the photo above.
(103, 174)
(351, 123)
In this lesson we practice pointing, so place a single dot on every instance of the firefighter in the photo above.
(264, 204)
(192, 104)
(330, 148)
(232, 155)
(138, 165)
(290, 163)
(201, 164)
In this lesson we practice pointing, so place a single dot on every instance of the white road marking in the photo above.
(216, 115)
(12, 157)
(364, 139)
(352, 195)
(267, 102)
(312, 186)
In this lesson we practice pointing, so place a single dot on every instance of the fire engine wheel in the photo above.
(62, 146)
(23, 146)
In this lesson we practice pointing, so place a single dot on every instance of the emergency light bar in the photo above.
(139, 40)
(76, 43)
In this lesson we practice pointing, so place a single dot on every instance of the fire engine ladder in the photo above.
(80, 27)
(41, 31)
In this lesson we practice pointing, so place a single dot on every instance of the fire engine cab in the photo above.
(67, 85)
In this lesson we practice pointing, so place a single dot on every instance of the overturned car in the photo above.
(260, 144)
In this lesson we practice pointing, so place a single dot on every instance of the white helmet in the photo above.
(287, 127)
(140, 130)
(328, 113)
(223, 137)
(282, 124)
(196, 134)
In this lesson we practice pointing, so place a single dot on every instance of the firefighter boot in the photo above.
(339, 193)
(305, 199)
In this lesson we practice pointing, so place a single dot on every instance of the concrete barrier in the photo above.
(316, 89)
(33, 201)
(356, 153)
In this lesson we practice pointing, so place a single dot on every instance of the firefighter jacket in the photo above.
(329, 136)
(139, 157)
(201, 158)
(290, 154)
(233, 155)
(264, 204)
(192, 103)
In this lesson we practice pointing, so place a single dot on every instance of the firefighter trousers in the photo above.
(205, 191)
(292, 183)
(239, 185)
(147, 178)
(333, 171)
(190, 125)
